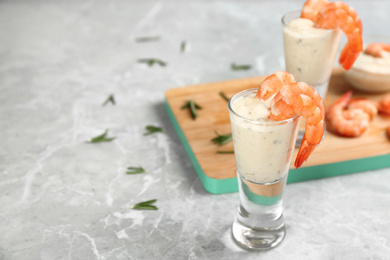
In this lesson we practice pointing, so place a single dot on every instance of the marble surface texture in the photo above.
(63, 198)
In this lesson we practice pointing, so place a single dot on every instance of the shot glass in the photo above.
(309, 54)
(263, 151)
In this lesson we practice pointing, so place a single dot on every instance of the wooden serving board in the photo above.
(334, 156)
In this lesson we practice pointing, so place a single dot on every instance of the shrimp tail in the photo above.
(351, 50)
(348, 63)
(312, 137)
(303, 153)
(348, 57)
(343, 100)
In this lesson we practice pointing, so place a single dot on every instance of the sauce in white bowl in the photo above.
(370, 74)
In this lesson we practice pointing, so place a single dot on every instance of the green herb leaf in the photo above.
(109, 99)
(135, 170)
(147, 39)
(240, 67)
(101, 138)
(183, 46)
(153, 129)
(193, 107)
(187, 104)
(225, 151)
(193, 110)
(152, 61)
(221, 139)
(146, 205)
(223, 95)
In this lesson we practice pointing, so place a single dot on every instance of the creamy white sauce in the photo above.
(251, 108)
(262, 148)
(310, 52)
(370, 73)
(380, 65)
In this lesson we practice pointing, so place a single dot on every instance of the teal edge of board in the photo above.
(220, 186)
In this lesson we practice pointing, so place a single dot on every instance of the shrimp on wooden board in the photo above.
(338, 15)
(296, 98)
(384, 105)
(376, 49)
(388, 132)
(384, 108)
(344, 121)
(368, 106)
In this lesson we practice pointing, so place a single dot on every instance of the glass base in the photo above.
(258, 239)
(259, 224)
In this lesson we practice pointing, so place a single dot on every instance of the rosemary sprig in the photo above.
(183, 46)
(152, 61)
(193, 107)
(188, 103)
(233, 66)
(153, 129)
(101, 138)
(110, 99)
(223, 95)
(135, 170)
(147, 39)
(221, 139)
(146, 205)
(225, 152)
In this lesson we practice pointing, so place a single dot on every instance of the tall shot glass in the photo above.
(263, 151)
(309, 53)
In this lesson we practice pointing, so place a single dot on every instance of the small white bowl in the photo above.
(368, 81)
(370, 74)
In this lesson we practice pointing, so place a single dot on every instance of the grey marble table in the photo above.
(64, 198)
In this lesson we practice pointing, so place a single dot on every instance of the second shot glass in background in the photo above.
(309, 52)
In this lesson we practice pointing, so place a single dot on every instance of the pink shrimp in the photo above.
(384, 105)
(338, 15)
(376, 49)
(368, 106)
(292, 99)
(384, 108)
(346, 122)
(273, 83)
(388, 132)
(311, 8)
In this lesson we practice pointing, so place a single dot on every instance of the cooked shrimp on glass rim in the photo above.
(291, 98)
(337, 14)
